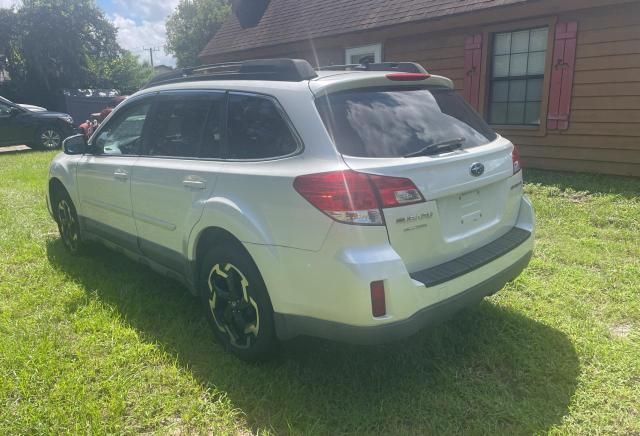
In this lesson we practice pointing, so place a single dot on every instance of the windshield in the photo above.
(395, 122)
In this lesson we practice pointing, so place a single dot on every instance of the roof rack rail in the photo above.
(399, 67)
(280, 70)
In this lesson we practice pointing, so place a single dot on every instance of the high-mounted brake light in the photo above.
(407, 77)
(515, 157)
(356, 198)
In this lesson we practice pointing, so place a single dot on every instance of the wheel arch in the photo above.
(212, 235)
(53, 192)
(62, 176)
(56, 186)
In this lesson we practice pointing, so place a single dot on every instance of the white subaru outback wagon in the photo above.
(355, 203)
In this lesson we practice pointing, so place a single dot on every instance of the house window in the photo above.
(368, 54)
(517, 74)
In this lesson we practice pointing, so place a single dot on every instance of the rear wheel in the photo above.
(68, 223)
(48, 138)
(236, 302)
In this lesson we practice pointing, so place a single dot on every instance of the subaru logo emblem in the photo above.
(477, 169)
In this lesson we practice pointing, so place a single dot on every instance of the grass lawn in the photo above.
(98, 344)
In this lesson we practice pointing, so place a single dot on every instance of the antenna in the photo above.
(151, 50)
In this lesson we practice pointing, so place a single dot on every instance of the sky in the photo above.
(140, 25)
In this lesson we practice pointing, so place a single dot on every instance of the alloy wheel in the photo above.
(50, 139)
(68, 225)
(234, 311)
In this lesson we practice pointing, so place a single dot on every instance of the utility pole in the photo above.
(151, 50)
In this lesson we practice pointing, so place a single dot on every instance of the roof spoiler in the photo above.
(280, 70)
(398, 67)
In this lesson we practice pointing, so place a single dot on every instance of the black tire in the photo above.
(236, 302)
(66, 217)
(49, 138)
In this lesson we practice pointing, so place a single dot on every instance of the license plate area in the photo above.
(470, 205)
(469, 212)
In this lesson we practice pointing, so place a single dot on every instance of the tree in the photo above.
(58, 44)
(191, 27)
(54, 43)
(124, 73)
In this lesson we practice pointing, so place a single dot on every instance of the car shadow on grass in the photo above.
(488, 370)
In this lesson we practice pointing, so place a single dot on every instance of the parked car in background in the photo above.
(42, 130)
(32, 108)
(29, 107)
(356, 204)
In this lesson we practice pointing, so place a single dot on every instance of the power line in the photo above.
(151, 50)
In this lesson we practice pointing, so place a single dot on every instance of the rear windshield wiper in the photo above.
(450, 144)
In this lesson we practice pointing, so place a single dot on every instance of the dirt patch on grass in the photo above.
(621, 331)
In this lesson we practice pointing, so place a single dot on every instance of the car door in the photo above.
(104, 175)
(177, 172)
(7, 124)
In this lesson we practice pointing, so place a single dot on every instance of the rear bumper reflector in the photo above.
(378, 303)
(462, 265)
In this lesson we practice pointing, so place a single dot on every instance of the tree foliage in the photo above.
(191, 27)
(58, 44)
(123, 72)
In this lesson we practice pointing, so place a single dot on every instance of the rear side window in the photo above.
(177, 126)
(256, 129)
(395, 122)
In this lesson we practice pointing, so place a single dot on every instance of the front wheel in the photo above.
(48, 138)
(236, 302)
(68, 223)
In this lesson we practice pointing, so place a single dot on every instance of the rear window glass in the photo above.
(394, 122)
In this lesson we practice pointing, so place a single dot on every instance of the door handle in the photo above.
(121, 174)
(194, 182)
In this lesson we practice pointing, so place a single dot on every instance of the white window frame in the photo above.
(376, 49)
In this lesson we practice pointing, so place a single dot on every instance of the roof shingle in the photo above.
(296, 20)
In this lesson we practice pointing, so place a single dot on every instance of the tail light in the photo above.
(356, 198)
(515, 157)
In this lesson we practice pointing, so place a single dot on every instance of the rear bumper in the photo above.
(289, 326)
(327, 293)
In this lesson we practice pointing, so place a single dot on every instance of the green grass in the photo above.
(97, 344)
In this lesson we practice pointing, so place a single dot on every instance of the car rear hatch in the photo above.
(429, 135)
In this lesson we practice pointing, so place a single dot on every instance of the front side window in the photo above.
(517, 75)
(123, 133)
(400, 121)
(256, 129)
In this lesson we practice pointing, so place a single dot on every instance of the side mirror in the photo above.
(13, 111)
(76, 144)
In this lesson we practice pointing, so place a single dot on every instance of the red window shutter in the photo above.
(562, 71)
(472, 60)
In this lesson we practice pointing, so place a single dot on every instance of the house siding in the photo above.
(604, 129)
(604, 125)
